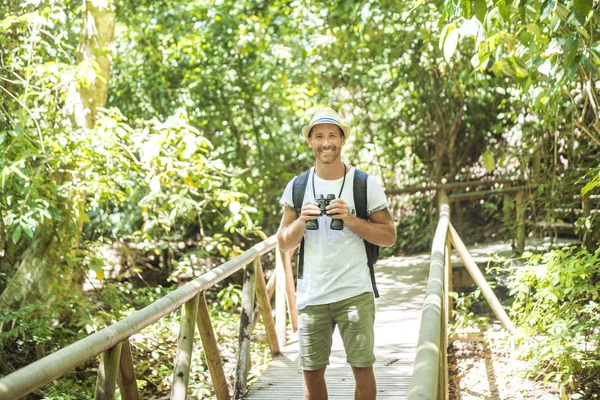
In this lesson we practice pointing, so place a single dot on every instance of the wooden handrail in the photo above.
(424, 383)
(485, 193)
(451, 185)
(38, 373)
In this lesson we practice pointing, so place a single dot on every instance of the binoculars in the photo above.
(323, 202)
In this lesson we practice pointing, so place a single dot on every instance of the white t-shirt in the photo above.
(335, 262)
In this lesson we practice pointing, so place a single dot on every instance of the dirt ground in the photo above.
(480, 371)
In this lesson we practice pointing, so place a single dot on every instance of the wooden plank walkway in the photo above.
(402, 283)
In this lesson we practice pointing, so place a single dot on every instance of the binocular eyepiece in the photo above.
(323, 202)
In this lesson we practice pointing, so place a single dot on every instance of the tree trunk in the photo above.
(41, 267)
(94, 55)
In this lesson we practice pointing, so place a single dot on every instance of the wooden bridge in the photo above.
(411, 330)
(402, 283)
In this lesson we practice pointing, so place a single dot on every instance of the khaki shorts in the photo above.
(355, 318)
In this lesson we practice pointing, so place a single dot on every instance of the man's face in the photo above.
(326, 141)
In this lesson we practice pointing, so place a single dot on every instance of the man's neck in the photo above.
(331, 171)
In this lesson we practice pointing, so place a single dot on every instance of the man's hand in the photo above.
(338, 209)
(310, 210)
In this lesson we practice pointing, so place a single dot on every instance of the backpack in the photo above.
(360, 204)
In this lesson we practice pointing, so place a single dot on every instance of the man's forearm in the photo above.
(289, 237)
(381, 234)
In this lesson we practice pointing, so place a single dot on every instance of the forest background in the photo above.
(144, 142)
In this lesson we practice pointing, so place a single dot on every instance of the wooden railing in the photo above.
(429, 380)
(112, 342)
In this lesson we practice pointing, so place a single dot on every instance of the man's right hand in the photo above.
(310, 210)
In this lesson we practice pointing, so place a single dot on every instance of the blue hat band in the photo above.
(326, 121)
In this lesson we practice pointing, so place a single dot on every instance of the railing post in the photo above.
(270, 291)
(107, 373)
(126, 378)
(185, 345)
(290, 291)
(264, 305)
(280, 303)
(520, 222)
(211, 350)
(243, 356)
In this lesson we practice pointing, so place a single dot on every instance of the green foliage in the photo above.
(230, 297)
(556, 306)
(466, 317)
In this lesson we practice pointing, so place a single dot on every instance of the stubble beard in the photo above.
(328, 158)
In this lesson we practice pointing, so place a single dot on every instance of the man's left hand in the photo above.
(338, 209)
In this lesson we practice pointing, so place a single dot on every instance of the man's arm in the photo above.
(379, 229)
(292, 228)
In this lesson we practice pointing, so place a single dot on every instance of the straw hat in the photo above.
(326, 116)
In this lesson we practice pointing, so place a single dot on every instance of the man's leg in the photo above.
(315, 328)
(356, 319)
(315, 387)
(365, 385)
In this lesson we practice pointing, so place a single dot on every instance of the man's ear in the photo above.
(309, 141)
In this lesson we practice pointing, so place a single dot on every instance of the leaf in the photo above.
(416, 5)
(562, 11)
(450, 44)
(547, 8)
(503, 10)
(235, 207)
(488, 161)
(589, 186)
(520, 67)
(480, 9)
(16, 234)
(27, 230)
(545, 67)
(100, 274)
(583, 6)
(466, 7)
(155, 184)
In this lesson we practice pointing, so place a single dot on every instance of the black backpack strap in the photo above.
(360, 204)
(298, 190)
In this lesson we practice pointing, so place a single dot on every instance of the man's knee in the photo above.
(363, 372)
(314, 375)
(366, 386)
(315, 387)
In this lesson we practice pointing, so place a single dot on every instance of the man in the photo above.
(335, 287)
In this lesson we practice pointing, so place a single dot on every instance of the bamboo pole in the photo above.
(211, 350)
(520, 222)
(243, 357)
(265, 308)
(484, 193)
(185, 345)
(447, 314)
(451, 186)
(270, 291)
(290, 290)
(280, 303)
(448, 279)
(126, 378)
(479, 279)
(107, 373)
(424, 382)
